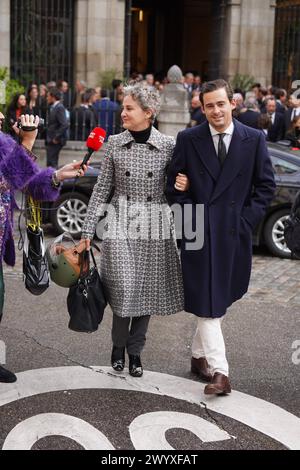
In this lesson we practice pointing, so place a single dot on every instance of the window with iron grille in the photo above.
(286, 62)
(42, 40)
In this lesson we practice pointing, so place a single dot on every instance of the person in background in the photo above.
(264, 123)
(107, 114)
(197, 83)
(293, 134)
(18, 171)
(32, 100)
(57, 127)
(84, 119)
(66, 96)
(277, 129)
(15, 109)
(249, 114)
(188, 83)
(197, 115)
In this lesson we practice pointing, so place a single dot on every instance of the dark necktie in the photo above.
(221, 149)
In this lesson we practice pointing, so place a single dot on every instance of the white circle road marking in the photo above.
(25, 434)
(260, 415)
(148, 431)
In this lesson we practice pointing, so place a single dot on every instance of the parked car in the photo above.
(69, 211)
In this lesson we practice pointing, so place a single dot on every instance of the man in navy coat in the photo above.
(229, 171)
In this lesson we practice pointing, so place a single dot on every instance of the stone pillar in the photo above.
(99, 38)
(249, 37)
(174, 114)
(5, 33)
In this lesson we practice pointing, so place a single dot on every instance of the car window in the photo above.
(282, 167)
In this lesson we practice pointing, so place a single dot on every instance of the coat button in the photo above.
(232, 203)
(127, 173)
(150, 174)
(232, 231)
(149, 198)
(128, 198)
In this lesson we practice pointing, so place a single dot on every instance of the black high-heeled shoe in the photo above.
(118, 358)
(135, 366)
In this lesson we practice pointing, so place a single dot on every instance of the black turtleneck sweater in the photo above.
(141, 137)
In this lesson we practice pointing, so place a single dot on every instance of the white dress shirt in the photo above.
(295, 112)
(226, 139)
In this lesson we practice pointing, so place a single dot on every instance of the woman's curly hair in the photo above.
(147, 97)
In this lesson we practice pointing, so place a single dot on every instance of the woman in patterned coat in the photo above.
(140, 265)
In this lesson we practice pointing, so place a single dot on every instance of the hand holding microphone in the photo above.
(94, 142)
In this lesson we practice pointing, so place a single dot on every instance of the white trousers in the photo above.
(208, 342)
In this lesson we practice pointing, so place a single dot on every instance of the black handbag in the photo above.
(35, 266)
(86, 300)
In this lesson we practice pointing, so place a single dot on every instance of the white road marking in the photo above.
(28, 432)
(148, 431)
(260, 415)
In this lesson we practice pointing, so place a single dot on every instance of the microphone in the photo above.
(94, 142)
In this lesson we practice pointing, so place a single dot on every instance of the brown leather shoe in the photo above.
(219, 385)
(201, 368)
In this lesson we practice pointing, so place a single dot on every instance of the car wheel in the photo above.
(69, 214)
(274, 234)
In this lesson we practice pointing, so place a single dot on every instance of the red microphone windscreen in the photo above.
(96, 139)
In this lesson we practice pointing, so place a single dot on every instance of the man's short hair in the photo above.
(270, 98)
(55, 92)
(214, 85)
(280, 92)
(88, 94)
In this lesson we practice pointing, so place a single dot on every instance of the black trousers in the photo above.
(53, 154)
(130, 333)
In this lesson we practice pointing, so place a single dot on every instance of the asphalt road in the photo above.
(68, 397)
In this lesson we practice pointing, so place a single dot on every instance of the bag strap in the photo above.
(35, 214)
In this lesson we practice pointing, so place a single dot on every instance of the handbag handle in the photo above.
(85, 258)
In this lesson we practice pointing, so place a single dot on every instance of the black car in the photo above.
(69, 211)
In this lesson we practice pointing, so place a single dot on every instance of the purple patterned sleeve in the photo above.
(15, 164)
(20, 171)
(40, 187)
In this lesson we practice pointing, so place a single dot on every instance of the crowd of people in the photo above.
(270, 109)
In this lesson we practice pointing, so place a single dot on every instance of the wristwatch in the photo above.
(55, 181)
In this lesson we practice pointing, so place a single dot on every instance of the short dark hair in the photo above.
(87, 95)
(55, 92)
(280, 92)
(214, 85)
(271, 98)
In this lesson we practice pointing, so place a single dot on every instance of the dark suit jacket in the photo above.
(57, 124)
(235, 198)
(83, 121)
(249, 118)
(277, 130)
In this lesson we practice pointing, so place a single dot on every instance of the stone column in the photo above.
(249, 39)
(174, 114)
(5, 33)
(99, 38)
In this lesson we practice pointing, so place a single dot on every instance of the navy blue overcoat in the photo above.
(235, 197)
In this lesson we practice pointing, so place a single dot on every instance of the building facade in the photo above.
(46, 40)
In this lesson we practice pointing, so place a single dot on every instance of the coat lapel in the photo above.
(204, 147)
(234, 160)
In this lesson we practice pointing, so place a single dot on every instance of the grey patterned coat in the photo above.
(140, 265)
